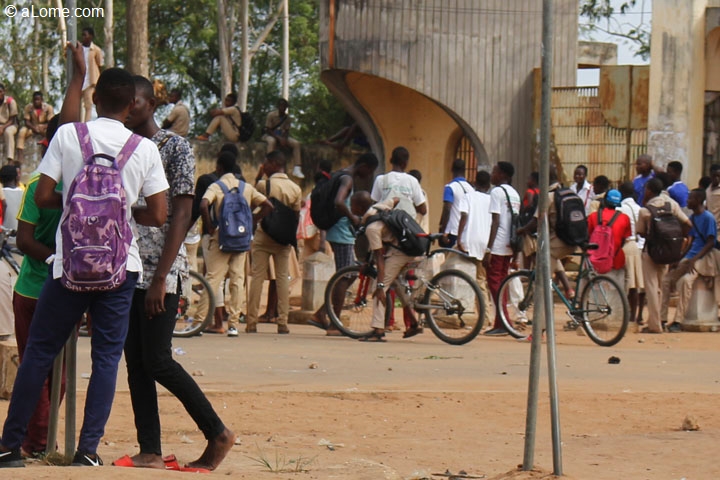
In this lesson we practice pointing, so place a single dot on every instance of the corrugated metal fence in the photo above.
(582, 136)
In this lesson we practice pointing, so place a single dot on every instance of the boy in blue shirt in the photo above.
(703, 234)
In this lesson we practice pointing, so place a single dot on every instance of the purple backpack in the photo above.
(96, 235)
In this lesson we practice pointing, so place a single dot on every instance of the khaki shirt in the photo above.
(30, 114)
(642, 227)
(179, 119)
(233, 113)
(378, 233)
(95, 60)
(713, 201)
(214, 194)
(8, 109)
(273, 123)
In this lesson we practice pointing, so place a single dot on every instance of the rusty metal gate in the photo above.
(605, 127)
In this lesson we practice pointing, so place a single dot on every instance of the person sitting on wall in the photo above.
(228, 119)
(277, 134)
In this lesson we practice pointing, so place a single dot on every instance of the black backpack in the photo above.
(282, 222)
(571, 225)
(665, 238)
(323, 212)
(527, 213)
(247, 126)
(405, 229)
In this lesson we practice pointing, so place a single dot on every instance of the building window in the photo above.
(466, 151)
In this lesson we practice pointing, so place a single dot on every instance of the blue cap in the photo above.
(613, 198)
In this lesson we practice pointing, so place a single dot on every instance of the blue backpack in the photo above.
(235, 225)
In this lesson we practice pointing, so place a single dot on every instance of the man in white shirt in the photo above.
(398, 184)
(474, 229)
(60, 309)
(504, 201)
(13, 196)
(453, 194)
(582, 187)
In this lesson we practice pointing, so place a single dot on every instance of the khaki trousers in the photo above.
(294, 144)
(220, 265)
(263, 248)
(226, 127)
(684, 285)
(481, 279)
(9, 139)
(24, 134)
(395, 261)
(653, 278)
(87, 104)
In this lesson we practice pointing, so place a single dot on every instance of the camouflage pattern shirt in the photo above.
(179, 164)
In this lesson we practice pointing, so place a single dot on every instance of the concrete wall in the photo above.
(472, 58)
(677, 83)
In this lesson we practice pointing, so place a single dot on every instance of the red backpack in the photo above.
(602, 257)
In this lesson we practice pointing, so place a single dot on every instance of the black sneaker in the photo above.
(11, 459)
(86, 460)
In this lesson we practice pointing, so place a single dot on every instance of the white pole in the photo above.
(244, 56)
(286, 51)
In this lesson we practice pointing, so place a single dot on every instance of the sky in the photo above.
(640, 13)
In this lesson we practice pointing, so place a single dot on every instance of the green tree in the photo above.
(610, 17)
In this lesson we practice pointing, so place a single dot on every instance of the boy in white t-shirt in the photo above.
(504, 201)
(453, 194)
(398, 184)
(474, 229)
(60, 309)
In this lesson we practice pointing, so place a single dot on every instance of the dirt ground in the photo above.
(306, 406)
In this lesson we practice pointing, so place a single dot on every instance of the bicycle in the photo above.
(9, 252)
(601, 307)
(189, 322)
(451, 303)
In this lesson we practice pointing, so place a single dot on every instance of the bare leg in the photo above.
(633, 300)
(641, 304)
(563, 279)
(215, 452)
(272, 301)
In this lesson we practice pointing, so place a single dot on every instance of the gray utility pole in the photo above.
(543, 293)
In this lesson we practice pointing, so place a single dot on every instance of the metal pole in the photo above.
(286, 51)
(54, 404)
(70, 398)
(543, 294)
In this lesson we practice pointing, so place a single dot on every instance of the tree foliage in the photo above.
(610, 17)
(184, 53)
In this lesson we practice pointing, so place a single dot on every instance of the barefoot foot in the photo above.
(215, 452)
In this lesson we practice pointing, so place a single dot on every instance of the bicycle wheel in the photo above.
(515, 302)
(189, 321)
(454, 307)
(348, 301)
(605, 311)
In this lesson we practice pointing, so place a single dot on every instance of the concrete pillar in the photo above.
(317, 270)
(702, 311)
(677, 85)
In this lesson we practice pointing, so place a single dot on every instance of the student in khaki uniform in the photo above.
(277, 134)
(653, 273)
(36, 115)
(264, 247)
(220, 264)
(8, 128)
(228, 119)
(94, 60)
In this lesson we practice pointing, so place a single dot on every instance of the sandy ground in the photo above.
(408, 409)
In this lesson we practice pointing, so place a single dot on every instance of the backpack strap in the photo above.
(223, 187)
(85, 143)
(512, 212)
(127, 150)
(614, 217)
